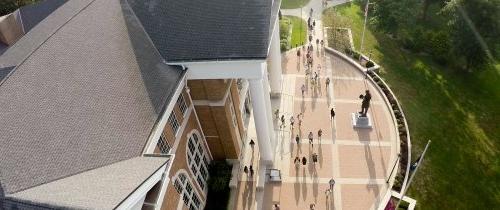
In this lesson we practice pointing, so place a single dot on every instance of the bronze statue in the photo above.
(365, 104)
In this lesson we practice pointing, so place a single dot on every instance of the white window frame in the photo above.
(174, 123)
(181, 102)
(203, 161)
(182, 180)
(163, 144)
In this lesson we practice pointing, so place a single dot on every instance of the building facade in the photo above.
(143, 115)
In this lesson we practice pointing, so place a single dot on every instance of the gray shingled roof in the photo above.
(87, 97)
(32, 14)
(30, 41)
(103, 188)
(207, 29)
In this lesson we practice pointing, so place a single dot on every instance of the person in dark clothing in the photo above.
(245, 170)
(251, 170)
(332, 114)
(252, 144)
(297, 139)
(304, 161)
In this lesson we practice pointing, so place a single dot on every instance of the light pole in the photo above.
(364, 27)
(302, 43)
(415, 168)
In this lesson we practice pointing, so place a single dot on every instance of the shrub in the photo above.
(348, 51)
(355, 55)
(439, 46)
(284, 28)
(284, 45)
(369, 64)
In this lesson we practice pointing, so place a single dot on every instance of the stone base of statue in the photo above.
(359, 121)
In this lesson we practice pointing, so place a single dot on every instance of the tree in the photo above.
(425, 7)
(392, 16)
(475, 26)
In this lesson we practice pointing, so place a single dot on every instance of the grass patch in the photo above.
(299, 32)
(293, 4)
(458, 111)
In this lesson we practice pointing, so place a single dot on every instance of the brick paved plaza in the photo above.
(359, 160)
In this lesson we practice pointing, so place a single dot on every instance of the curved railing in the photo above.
(405, 146)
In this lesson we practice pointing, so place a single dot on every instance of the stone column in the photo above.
(269, 110)
(274, 61)
(258, 94)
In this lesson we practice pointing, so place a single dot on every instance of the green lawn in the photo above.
(292, 4)
(299, 32)
(459, 112)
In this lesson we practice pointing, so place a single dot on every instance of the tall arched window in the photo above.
(184, 187)
(197, 160)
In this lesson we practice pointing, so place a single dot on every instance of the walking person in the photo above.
(297, 162)
(298, 54)
(317, 43)
(320, 132)
(322, 44)
(297, 139)
(311, 136)
(303, 89)
(332, 184)
(332, 114)
(251, 171)
(276, 206)
(282, 121)
(327, 82)
(315, 158)
(245, 169)
(300, 121)
(252, 144)
(304, 161)
(292, 121)
(312, 206)
(277, 114)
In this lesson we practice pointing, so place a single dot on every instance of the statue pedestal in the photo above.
(361, 122)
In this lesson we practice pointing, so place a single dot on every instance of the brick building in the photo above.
(123, 104)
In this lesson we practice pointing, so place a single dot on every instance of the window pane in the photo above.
(197, 159)
(182, 104)
(178, 186)
(189, 189)
(200, 149)
(182, 177)
(185, 197)
(203, 172)
(205, 160)
(163, 145)
(195, 138)
(200, 182)
(196, 201)
(191, 146)
(193, 169)
(172, 120)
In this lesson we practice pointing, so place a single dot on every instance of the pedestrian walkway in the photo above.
(359, 160)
